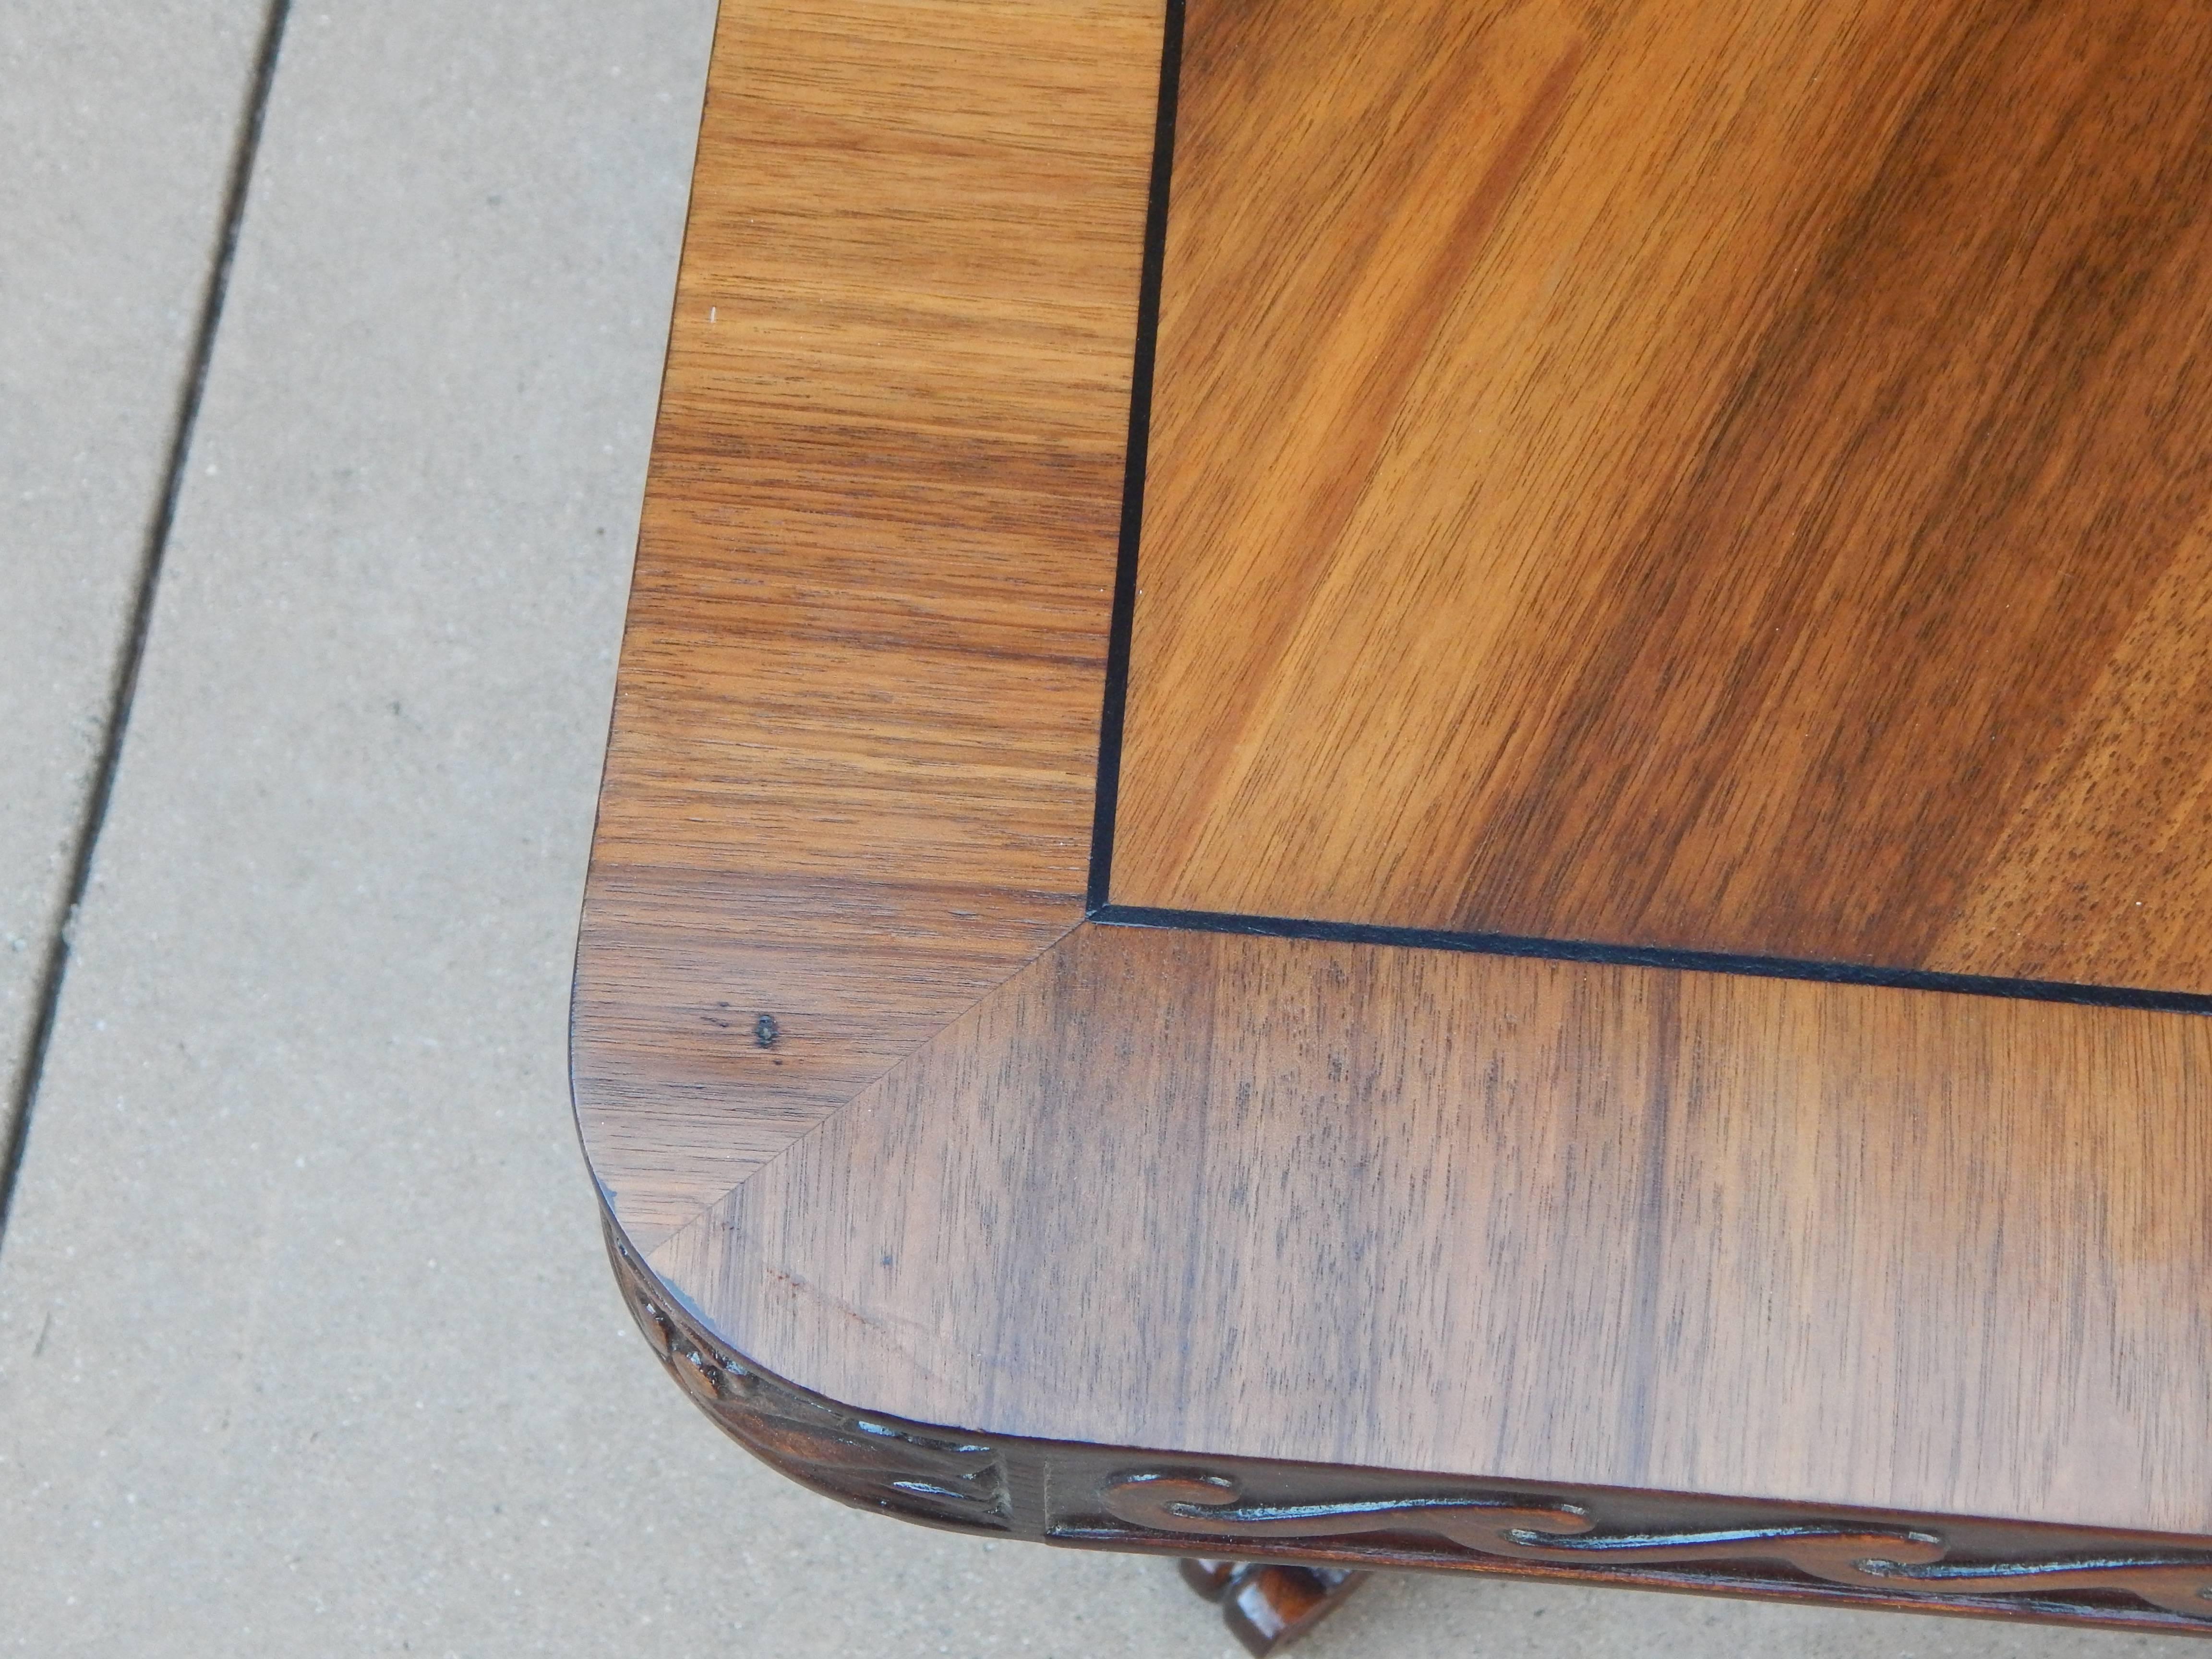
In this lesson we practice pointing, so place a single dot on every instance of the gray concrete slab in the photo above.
(117, 123)
(306, 1345)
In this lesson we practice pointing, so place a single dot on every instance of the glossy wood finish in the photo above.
(1557, 1221)
(876, 1107)
(1269, 1607)
(1335, 1522)
(855, 736)
(1724, 477)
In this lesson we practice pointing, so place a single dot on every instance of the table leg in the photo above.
(1270, 1606)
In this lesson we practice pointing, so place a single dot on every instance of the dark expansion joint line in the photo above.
(123, 686)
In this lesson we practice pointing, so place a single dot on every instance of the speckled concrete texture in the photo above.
(306, 1343)
(117, 123)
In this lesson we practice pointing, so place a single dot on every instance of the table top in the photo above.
(1465, 737)
(1716, 478)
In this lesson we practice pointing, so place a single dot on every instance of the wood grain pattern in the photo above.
(882, 1112)
(1338, 1520)
(1545, 1221)
(1733, 476)
(855, 735)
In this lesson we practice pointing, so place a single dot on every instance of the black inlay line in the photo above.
(1098, 902)
(122, 686)
(1133, 479)
(1645, 956)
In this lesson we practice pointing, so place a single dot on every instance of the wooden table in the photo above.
(1619, 993)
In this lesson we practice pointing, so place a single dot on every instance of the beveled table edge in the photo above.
(1128, 1499)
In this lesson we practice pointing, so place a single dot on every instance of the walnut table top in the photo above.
(1446, 762)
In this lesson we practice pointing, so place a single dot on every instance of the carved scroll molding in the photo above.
(862, 1459)
(1210, 1506)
